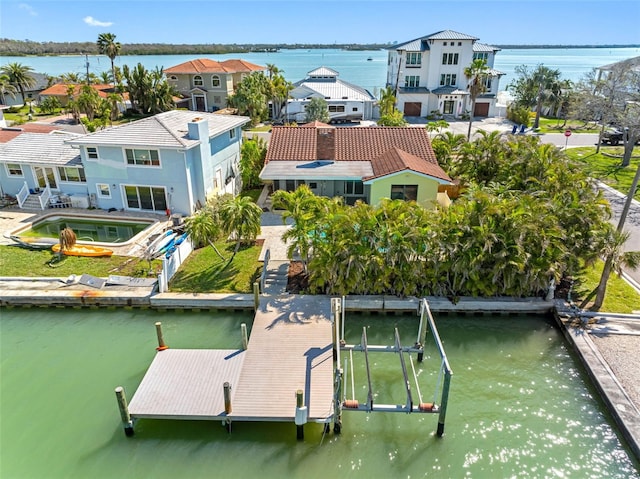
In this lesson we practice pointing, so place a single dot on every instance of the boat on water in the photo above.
(33, 243)
(84, 250)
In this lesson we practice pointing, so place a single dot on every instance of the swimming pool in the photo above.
(98, 229)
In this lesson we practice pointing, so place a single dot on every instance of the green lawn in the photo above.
(205, 272)
(15, 261)
(555, 125)
(620, 296)
(605, 167)
(254, 194)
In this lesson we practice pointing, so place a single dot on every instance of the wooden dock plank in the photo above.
(290, 348)
(186, 384)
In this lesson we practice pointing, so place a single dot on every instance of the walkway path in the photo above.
(277, 268)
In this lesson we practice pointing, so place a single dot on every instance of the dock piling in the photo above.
(245, 340)
(227, 398)
(301, 415)
(256, 295)
(127, 423)
(161, 344)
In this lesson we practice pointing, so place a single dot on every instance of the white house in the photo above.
(346, 101)
(427, 75)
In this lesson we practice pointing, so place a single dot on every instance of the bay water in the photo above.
(520, 406)
(353, 66)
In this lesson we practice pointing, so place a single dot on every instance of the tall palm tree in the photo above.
(476, 75)
(19, 76)
(107, 45)
(6, 88)
(387, 101)
(546, 80)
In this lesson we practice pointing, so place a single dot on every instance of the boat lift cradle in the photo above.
(444, 378)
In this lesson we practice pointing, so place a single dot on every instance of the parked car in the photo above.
(614, 136)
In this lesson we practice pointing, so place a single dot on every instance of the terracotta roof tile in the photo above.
(396, 160)
(389, 149)
(60, 89)
(204, 65)
(7, 134)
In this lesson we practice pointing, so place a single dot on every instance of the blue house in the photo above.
(172, 161)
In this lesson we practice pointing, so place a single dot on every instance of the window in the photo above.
(414, 59)
(459, 44)
(71, 174)
(216, 100)
(215, 81)
(412, 81)
(336, 108)
(142, 157)
(487, 83)
(450, 58)
(404, 192)
(481, 56)
(197, 80)
(103, 190)
(232, 134)
(14, 169)
(355, 108)
(173, 78)
(313, 185)
(146, 198)
(92, 153)
(353, 188)
(448, 79)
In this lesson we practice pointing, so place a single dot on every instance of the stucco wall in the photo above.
(427, 188)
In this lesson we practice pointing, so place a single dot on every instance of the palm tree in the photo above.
(19, 76)
(70, 78)
(387, 101)
(203, 227)
(476, 75)
(546, 80)
(108, 46)
(6, 88)
(241, 218)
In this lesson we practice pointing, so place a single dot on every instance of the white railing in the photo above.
(22, 195)
(44, 197)
(171, 265)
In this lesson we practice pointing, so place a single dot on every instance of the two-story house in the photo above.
(171, 161)
(427, 75)
(206, 84)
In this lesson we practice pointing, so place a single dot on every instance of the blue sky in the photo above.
(594, 22)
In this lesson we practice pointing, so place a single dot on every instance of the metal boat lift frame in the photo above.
(410, 406)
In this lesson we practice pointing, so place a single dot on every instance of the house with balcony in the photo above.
(206, 84)
(427, 75)
(346, 101)
(359, 164)
(172, 161)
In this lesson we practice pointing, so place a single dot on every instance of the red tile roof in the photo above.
(7, 134)
(61, 89)
(204, 65)
(396, 160)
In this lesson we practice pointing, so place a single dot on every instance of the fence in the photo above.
(263, 277)
(171, 265)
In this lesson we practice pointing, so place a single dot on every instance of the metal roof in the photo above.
(414, 90)
(164, 130)
(420, 44)
(449, 90)
(38, 148)
(323, 71)
(316, 170)
(483, 47)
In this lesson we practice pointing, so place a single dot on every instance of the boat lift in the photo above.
(410, 406)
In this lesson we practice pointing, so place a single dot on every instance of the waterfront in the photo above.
(519, 405)
(353, 66)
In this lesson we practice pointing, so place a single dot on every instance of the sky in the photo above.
(497, 22)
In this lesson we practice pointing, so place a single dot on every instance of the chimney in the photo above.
(326, 144)
(198, 128)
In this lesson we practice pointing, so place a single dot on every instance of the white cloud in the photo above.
(29, 9)
(96, 23)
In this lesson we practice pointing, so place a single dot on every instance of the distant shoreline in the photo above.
(11, 48)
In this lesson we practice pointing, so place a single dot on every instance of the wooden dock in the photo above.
(290, 349)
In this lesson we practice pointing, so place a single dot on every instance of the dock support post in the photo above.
(336, 307)
(127, 423)
(161, 344)
(245, 340)
(443, 405)
(227, 405)
(300, 415)
(256, 295)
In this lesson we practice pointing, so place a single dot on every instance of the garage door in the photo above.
(412, 108)
(481, 109)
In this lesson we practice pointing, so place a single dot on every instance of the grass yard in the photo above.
(16, 261)
(254, 194)
(606, 168)
(555, 125)
(205, 272)
(620, 296)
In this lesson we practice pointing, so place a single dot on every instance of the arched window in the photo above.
(173, 78)
(215, 81)
(197, 80)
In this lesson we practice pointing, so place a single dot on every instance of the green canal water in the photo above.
(520, 406)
